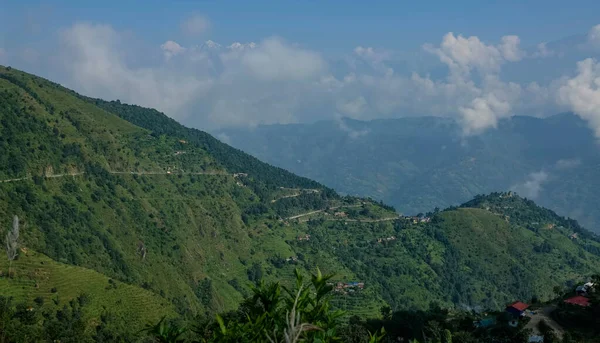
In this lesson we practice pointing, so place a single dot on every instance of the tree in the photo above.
(165, 332)
(12, 242)
(447, 336)
(386, 312)
(277, 314)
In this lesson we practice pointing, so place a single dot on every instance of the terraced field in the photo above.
(35, 275)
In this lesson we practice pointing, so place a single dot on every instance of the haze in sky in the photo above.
(213, 64)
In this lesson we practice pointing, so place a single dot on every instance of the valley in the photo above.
(419, 163)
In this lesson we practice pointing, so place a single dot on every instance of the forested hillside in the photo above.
(416, 164)
(137, 204)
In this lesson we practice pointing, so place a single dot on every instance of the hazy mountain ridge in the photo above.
(419, 163)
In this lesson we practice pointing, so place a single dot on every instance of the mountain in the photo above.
(420, 163)
(126, 216)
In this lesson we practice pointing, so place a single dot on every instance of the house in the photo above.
(340, 214)
(304, 238)
(517, 308)
(584, 289)
(574, 236)
(387, 239)
(292, 259)
(578, 300)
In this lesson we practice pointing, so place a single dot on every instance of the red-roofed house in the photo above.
(578, 300)
(517, 308)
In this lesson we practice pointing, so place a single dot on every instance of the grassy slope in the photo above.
(35, 275)
(191, 225)
(472, 256)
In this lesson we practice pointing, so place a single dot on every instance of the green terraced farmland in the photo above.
(35, 275)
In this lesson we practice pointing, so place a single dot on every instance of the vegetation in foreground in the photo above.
(303, 313)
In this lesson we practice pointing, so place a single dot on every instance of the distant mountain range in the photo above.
(419, 163)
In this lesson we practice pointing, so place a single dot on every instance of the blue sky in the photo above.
(326, 25)
(301, 61)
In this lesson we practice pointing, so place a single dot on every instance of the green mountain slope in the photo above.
(193, 222)
(38, 277)
(416, 164)
(488, 252)
(153, 210)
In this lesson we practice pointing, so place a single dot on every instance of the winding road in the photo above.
(118, 172)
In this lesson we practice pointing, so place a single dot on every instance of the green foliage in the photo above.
(232, 159)
(153, 214)
(164, 332)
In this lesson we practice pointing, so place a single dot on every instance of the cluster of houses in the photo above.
(581, 299)
(240, 175)
(512, 314)
(515, 311)
(417, 220)
(387, 239)
(305, 237)
(347, 287)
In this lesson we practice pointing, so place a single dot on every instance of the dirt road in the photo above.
(544, 314)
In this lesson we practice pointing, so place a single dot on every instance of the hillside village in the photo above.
(541, 320)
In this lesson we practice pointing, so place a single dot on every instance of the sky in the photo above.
(214, 64)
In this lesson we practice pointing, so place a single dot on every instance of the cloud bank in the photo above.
(532, 187)
(212, 85)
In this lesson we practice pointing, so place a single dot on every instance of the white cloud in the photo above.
(582, 93)
(94, 60)
(272, 81)
(352, 108)
(275, 60)
(542, 51)
(594, 36)
(479, 106)
(242, 46)
(354, 134)
(195, 25)
(532, 187)
(370, 54)
(510, 48)
(171, 48)
(483, 113)
(462, 55)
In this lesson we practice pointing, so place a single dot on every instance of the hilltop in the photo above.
(125, 193)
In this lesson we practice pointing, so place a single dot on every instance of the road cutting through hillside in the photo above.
(342, 219)
(53, 176)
